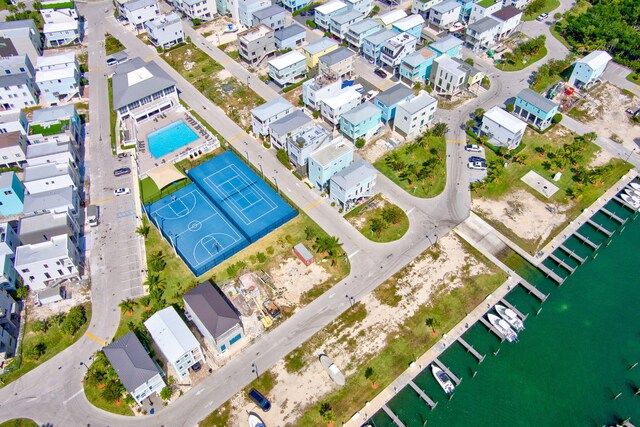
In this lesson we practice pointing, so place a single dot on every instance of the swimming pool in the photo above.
(170, 138)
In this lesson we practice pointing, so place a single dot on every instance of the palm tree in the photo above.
(154, 281)
(392, 214)
(127, 306)
(431, 323)
(377, 226)
(309, 233)
(157, 262)
(440, 129)
(21, 6)
(144, 228)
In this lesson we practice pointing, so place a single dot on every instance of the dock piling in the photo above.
(393, 416)
(470, 349)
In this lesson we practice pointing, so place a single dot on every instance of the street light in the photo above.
(247, 153)
(254, 369)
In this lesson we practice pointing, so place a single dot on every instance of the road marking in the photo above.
(74, 395)
(313, 205)
(332, 295)
(237, 137)
(200, 392)
(386, 85)
(410, 210)
(102, 201)
(354, 254)
(150, 58)
(96, 339)
(457, 141)
(635, 88)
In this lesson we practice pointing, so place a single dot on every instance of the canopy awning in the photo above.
(165, 174)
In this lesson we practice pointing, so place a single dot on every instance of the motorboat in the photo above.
(633, 193)
(510, 316)
(503, 327)
(631, 201)
(332, 369)
(442, 378)
(255, 420)
(635, 186)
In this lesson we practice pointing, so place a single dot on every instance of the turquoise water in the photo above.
(574, 358)
(170, 138)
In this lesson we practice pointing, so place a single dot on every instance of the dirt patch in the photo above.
(294, 278)
(524, 214)
(601, 158)
(377, 148)
(224, 74)
(214, 31)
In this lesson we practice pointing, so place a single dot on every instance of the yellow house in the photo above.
(313, 51)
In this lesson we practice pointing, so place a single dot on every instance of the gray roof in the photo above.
(537, 100)
(267, 12)
(48, 148)
(507, 13)
(364, 25)
(353, 174)
(48, 200)
(484, 24)
(290, 123)
(52, 114)
(418, 103)
(361, 112)
(212, 309)
(14, 79)
(14, 25)
(320, 45)
(271, 108)
(39, 228)
(131, 361)
(416, 58)
(381, 36)
(138, 4)
(45, 170)
(394, 94)
(7, 48)
(336, 56)
(344, 17)
(303, 251)
(446, 43)
(124, 93)
(290, 31)
(446, 6)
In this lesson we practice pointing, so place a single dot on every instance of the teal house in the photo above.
(328, 160)
(360, 121)
(449, 46)
(416, 67)
(390, 98)
(11, 194)
(534, 108)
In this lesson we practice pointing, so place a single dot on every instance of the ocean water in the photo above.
(574, 363)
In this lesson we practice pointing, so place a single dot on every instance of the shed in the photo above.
(303, 254)
(49, 295)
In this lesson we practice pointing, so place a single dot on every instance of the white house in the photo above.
(16, 64)
(363, 6)
(445, 14)
(387, 19)
(337, 63)
(245, 9)
(58, 34)
(214, 316)
(319, 88)
(423, 7)
(509, 18)
(165, 30)
(61, 153)
(414, 115)
(41, 265)
(288, 68)
(22, 37)
(59, 200)
(49, 176)
(483, 9)
(273, 16)
(13, 148)
(502, 128)
(13, 121)
(288, 125)
(334, 107)
(17, 91)
(9, 326)
(324, 12)
(58, 77)
(204, 10)
(356, 181)
(396, 49)
(589, 69)
(305, 141)
(9, 241)
(137, 12)
(139, 374)
(57, 124)
(175, 340)
(483, 34)
(267, 113)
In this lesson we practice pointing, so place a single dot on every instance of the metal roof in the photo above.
(409, 22)
(290, 123)
(507, 13)
(38, 228)
(48, 200)
(537, 100)
(336, 56)
(171, 334)
(15, 25)
(344, 17)
(130, 361)
(328, 153)
(286, 60)
(392, 16)
(484, 24)
(361, 112)
(268, 12)
(380, 37)
(394, 94)
(55, 248)
(418, 103)
(596, 59)
(446, 6)
(320, 45)
(212, 309)
(353, 174)
(53, 114)
(446, 43)
(504, 119)
(271, 108)
(136, 79)
(330, 7)
(14, 79)
(290, 31)
(138, 4)
(364, 25)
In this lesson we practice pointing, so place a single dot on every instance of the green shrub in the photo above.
(283, 157)
(359, 143)
(556, 118)
(510, 108)
(311, 24)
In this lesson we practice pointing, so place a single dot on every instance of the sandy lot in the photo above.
(295, 391)
(606, 105)
(523, 213)
(294, 278)
(214, 31)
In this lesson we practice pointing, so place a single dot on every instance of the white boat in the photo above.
(332, 369)
(510, 316)
(633, 193)
(442, 378)
(635, 185)
(255, 420)
(631, 201)
(503, 327)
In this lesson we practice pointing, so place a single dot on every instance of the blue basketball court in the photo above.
(223, 211)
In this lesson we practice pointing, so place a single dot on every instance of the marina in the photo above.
(470, 349)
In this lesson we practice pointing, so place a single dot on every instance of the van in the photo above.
(260, 400)
(93, 213)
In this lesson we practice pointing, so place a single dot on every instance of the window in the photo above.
(47, 275)
(8, 192)
(25, 270)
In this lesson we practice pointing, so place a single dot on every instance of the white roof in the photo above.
(330, 7)
(344, 97)
(53, 60)
(393, 16)
(54, 27)
(171, 334)
(506, 120)
(56, 247)
(409, 22)
(596, 59)
(287, 60)
(55, 74)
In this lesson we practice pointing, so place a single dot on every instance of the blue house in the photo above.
(589, 69)
(534, 108)
(328, 160)
(412, 24)
(416, 67)
(290, 37)
(372, 44)
(358, 31)
(449, 46)
(11, 194)
(293, 5)
(360, 121)
(389, 99)
(465, 10)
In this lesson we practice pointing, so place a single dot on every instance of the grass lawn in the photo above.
(634, 78)
(510, 180)
(361, 218)
(94, 397)
(219, 417)
(548, 7)
(54, 339)
(447, 308)
(19, 422)
(3, 6)
(150, 193)
(112, 44)
(113, 116)
(412, 157)
(559, 37)
(520, 64)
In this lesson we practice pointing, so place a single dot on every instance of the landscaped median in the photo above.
(536, 7)
(523, 55)
(379, 220)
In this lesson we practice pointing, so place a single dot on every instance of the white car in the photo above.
(542, 17)
(121, 191)
(473, 148)
(477, 165)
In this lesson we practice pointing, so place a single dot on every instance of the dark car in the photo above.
(380, 73)
(260, 400)
(196, 367)
(477, 159)
(121, 171)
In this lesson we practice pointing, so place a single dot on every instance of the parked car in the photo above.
(111, 61)
(542, 17)
(477, 159)
(196, 367)
(477, 165)
(121, 191)
(473, 148)
(380, 73)
(121, 171)
(260, 400)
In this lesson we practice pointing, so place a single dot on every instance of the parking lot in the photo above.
(476, 175)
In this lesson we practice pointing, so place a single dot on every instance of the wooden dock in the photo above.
(533, 290)
(550, 273)
(623, 203)
(447, 371)
(423, 395)
(486, 323)
(586, 241)
(512, 307)
(599, 227)
(470, 349)
(393, 416)
(572, 254)
(612, 215)
(562, 263)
